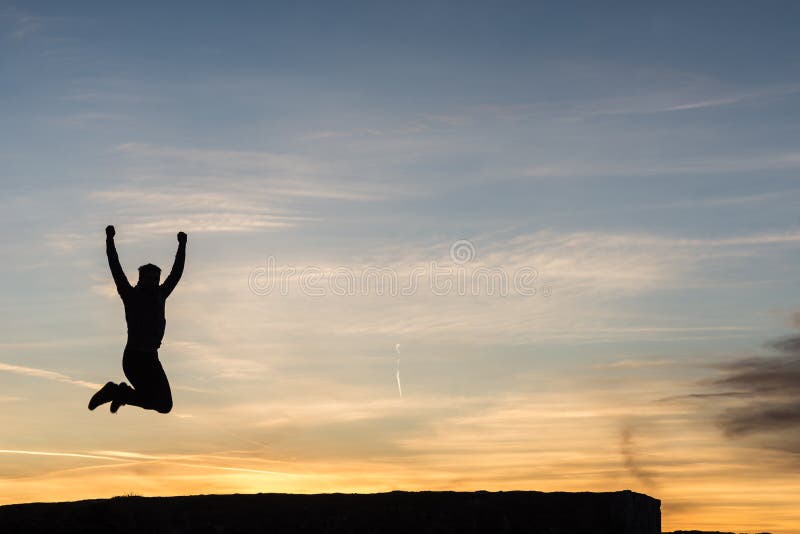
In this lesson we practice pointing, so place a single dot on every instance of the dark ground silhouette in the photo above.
(708, 532)
(145, 314)
(440, 512)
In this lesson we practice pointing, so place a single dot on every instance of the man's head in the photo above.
(149, 275)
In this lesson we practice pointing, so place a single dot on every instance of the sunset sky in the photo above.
(638, 165)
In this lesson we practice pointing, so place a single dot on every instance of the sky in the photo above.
(436, 245)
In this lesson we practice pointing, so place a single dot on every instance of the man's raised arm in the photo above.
(177, 267)
(113, 262)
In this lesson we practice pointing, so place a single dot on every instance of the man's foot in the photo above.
(104, 395)
(116, 402)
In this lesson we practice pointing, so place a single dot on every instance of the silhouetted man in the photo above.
(144, 313)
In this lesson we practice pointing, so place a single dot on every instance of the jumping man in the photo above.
(144, 313)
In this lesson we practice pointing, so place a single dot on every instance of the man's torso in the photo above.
(144, 313)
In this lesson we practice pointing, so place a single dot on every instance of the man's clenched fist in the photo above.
(110, 232)
(181, 238)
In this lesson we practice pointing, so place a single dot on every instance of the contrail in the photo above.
(399, 386)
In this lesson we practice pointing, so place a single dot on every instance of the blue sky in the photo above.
(642, 158)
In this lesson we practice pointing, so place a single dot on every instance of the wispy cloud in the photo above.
(706, 165)
(633, 364)
(47, 375)
(60, 454)
(281, 174)
(703, 396)
(364, 132)
(722, 200)
(424, 124)
(210, 361)
(713, 103)
(90, 118)
(194, 461)
(163, 189)
(681, 99)
(658, 91)
(581, 268)
(21, 24)
(109, 95)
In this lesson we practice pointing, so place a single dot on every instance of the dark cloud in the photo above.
(692, 396)
(764, 376)
(765, 401)
(789, 345)
(762, 417)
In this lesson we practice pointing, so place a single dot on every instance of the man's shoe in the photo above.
(117, 401)
(104, 395)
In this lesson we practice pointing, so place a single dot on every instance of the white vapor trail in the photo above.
(399, 387)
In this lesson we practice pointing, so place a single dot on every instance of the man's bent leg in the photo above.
(150, 386)
(106, 394)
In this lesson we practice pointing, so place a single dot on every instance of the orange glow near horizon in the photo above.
(197, 476)
(514, 445)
